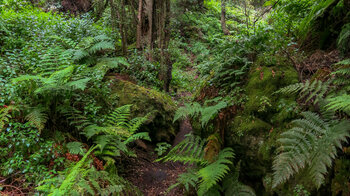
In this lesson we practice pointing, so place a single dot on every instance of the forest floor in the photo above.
(154, 178)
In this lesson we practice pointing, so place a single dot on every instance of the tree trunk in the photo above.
(122, 17)
(167, 63)
(223, 17)
(149, 10)
(139, 25)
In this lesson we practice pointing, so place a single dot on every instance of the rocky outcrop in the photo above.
(148, 101)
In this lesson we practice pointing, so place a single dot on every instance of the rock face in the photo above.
(254, 130)
(160, 106)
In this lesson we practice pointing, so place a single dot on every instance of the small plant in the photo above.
(265, 103)
(299, 190)
(162, 148)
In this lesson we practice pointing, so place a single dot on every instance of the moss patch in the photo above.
(161, 106)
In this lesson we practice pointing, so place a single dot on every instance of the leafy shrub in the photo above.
(25, 152)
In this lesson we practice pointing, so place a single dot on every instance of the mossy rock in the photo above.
(264, 81)
(160, 106)
(254, 131)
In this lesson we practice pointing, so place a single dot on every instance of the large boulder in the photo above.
(148, 101)
(254, 130)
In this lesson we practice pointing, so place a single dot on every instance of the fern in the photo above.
(70, 179)
(211, 111)
(344, 39)
(38, 117)
(206, 113)
(317, 10)
(116, 133)
(75, 148)
(232, 187)
(215, 172)
(5, 115)
(341, 103)
(188, 180)
(191, 151)
(192, 109)
(341, 75)
(315, 90)
(55, 82)
(82, 179)
(312, 144)
(89, 48)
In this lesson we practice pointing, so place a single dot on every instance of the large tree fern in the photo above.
(310, 145)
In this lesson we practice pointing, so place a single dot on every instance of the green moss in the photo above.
(160, 105)
(247, 124)
(264, 81)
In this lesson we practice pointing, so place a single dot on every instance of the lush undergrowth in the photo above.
(268, 101)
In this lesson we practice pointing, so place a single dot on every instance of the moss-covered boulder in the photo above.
(254, 130)
(160, 106)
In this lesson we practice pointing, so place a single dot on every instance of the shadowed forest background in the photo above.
(175, 97)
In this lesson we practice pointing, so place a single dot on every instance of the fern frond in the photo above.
(80, 54)
(5, 115)
(78, 84)
(341, 103)
(138, 136)
(70, 179)
(38, 117)
(210, 112)
(103, 45)
(188, 110)
(119, 117)
(215, 172)
(75, 148)
(190, 150)
(314, 90)
(232, 187)
(311, 144)
(344, 39)
(188, 179)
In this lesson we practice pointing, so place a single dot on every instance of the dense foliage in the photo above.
(92, 88)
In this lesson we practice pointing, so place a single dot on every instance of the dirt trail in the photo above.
(154, 178)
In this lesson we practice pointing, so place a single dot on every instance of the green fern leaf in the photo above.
(38, 117)
(311, 144)
(216, 171)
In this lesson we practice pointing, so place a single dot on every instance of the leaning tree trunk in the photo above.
(223, 18)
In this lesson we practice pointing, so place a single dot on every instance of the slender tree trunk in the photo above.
(223, 17)
(167, 33)
(139, 25)
(113, 17)
(122, 17)
(149, 8)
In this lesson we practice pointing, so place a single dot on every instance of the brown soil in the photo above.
(154, 178)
